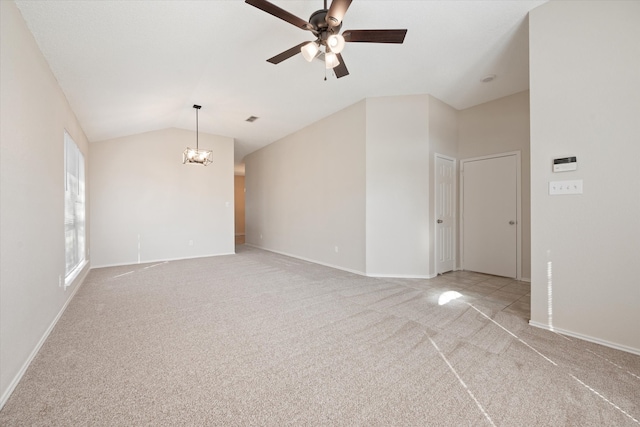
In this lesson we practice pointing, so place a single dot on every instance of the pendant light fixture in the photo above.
(190, 155)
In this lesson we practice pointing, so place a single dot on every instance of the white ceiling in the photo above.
(128, 67)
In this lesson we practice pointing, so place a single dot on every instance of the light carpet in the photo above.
(259, 339)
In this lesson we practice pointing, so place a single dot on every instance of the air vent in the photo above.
(251, 119)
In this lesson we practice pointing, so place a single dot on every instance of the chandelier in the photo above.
(191, 155)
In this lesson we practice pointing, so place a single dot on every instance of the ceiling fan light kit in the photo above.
(310, 51)
(331, 60)
(325, 24)
(196, 155)
(336, 43)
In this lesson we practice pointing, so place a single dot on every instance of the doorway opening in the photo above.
(239, 193)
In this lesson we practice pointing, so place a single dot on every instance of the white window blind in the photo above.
(74, 209)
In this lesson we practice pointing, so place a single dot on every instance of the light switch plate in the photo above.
(559, 188)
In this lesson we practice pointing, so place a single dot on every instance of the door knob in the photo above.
(512, 222)
(439, 221)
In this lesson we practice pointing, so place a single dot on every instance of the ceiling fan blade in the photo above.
(337, 11)
(286, 54)
(280, 13)
(374, 36)
(340, 69)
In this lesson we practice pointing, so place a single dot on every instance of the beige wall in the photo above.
(585, 102)
(306, 192)
(397, 189)
(365, 190)
(148, 206)
(34, 114)
(497, 127)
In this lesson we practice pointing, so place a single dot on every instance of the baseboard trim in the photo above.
(337, 267)
(151, 261)
(79, 280)
(402, 276)
(586, 338)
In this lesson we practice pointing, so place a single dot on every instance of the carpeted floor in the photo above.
(259, 339)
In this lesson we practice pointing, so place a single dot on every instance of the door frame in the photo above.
(455, 210)
(518, 157)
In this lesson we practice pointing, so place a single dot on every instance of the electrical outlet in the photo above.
(190, 242)
(336, 249)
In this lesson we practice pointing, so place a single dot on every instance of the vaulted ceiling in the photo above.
(129, 67)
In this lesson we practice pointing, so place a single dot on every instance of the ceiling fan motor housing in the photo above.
(321, 28)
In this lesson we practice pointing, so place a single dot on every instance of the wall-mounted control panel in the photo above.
(565, 164)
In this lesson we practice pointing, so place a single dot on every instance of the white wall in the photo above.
(34, 114)
(306, 192)
(497, 127)
(443, 140)
(397, 190)
(147, 206)
(585, 102)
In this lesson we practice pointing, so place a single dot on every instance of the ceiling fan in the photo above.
(325, 24)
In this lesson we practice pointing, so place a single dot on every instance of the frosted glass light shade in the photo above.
(310, 50)
(331, 60)
(194, 155)
(336, 43)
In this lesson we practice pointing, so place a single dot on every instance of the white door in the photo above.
(445, 213)
(490, 214)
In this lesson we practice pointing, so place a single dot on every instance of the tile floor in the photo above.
(509, 295)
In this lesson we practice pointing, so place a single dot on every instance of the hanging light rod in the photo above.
(203, 157)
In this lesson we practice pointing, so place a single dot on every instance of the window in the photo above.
(74, 209)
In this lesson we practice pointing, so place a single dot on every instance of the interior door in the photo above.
(445, 213)
(490, 193)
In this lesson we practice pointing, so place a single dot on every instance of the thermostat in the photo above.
(565, 164)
